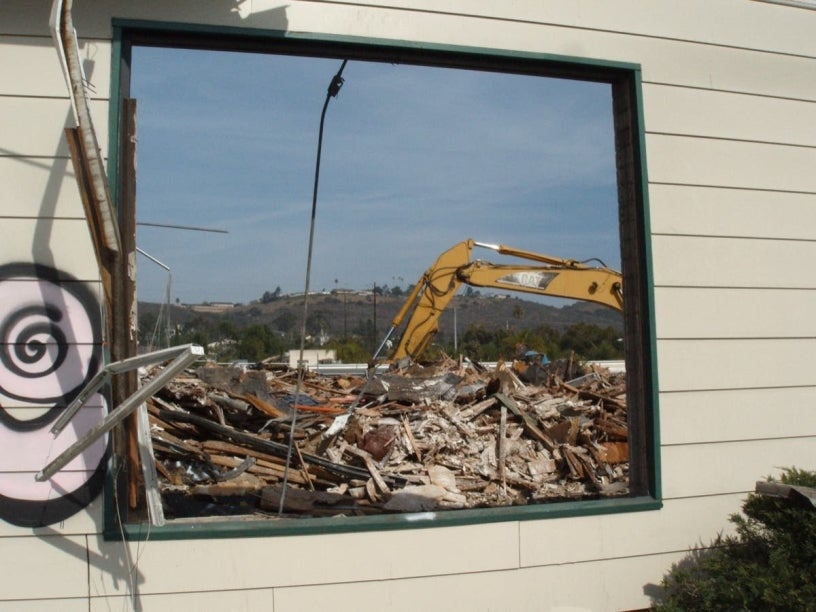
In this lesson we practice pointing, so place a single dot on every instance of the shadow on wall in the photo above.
(110, 561)
(50, 347)
(29, 20)
(51, 330)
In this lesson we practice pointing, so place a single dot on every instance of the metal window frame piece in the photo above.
(182, 357)
(155, 510)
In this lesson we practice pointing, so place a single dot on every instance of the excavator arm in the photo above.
(439, 284)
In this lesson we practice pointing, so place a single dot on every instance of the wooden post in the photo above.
(125, 315)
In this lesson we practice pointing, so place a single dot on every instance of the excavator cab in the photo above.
(530, 366)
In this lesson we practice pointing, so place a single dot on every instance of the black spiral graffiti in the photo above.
(50, 348)
(45, 351)
(30, 347)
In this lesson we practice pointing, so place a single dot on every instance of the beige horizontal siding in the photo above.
(664, 60)
(216, 601)
(698, 21)
(731, 252)
(30, 67)
(44, 567)
(77, 604)
(694, 20)
(706, 211)
(689, 313)
(256, 563)
(599, 585)
(555, 553)
(615, 584)
(728, 163)
(692, 417)
(688, 111)
(34, 127)
(35, 187)
(702, 365)
(88, 521)
(486, 591)
(64, 244)
(693, 261)
(21, 18)
(581, 539)
(667, 56)
(696, 470)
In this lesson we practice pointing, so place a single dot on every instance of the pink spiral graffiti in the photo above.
(50, 348)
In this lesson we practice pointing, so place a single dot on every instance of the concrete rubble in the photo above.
(447, 436)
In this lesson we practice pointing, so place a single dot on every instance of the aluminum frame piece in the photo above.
(182, 356)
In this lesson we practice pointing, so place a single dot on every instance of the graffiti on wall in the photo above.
(50, 347)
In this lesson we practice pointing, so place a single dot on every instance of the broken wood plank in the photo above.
(258, 443)
(529, 425)
(502, 436)
(369, 463)
(411, 440)
(298, 500)
(598, 397)
(491, 460)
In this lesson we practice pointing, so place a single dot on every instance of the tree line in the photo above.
(226, 341)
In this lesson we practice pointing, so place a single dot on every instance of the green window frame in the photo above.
(625, 81)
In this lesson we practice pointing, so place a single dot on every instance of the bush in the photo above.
(768, 564)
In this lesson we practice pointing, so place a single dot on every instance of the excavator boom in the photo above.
(439, 284)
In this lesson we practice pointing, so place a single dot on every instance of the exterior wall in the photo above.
(729, 108)
(50, 343)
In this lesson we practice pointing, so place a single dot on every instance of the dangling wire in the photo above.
(334, 89)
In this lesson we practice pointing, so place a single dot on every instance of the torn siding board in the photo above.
(84, 148)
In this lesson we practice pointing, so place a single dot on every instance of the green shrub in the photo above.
(768, 564)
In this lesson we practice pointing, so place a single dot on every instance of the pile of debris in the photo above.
(451, 435)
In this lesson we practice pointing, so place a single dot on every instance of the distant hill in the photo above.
(348, 313)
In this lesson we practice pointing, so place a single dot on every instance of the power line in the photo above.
(184, 227)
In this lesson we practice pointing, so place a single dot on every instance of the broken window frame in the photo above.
(642, 397)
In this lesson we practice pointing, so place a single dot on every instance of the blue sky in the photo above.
(414, 160)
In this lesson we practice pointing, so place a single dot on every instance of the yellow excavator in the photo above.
(565, 278)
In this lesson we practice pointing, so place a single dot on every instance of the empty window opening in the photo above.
(524, 399)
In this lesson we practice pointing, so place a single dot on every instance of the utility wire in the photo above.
(191, 228)
(333, 90)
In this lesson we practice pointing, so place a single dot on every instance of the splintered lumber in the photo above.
(257, 443)
(476, 409)
(261, 405)
(240, 485)
(417, 390)
(298, 500)
(502, 435)
(449, 435)
(586, 393)
(369, 463)
(615, 452)
(265, 469)
(529, 424)
(411, 439)
(304, 468)
(613, 428)
(325, 389)
(327, 409)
